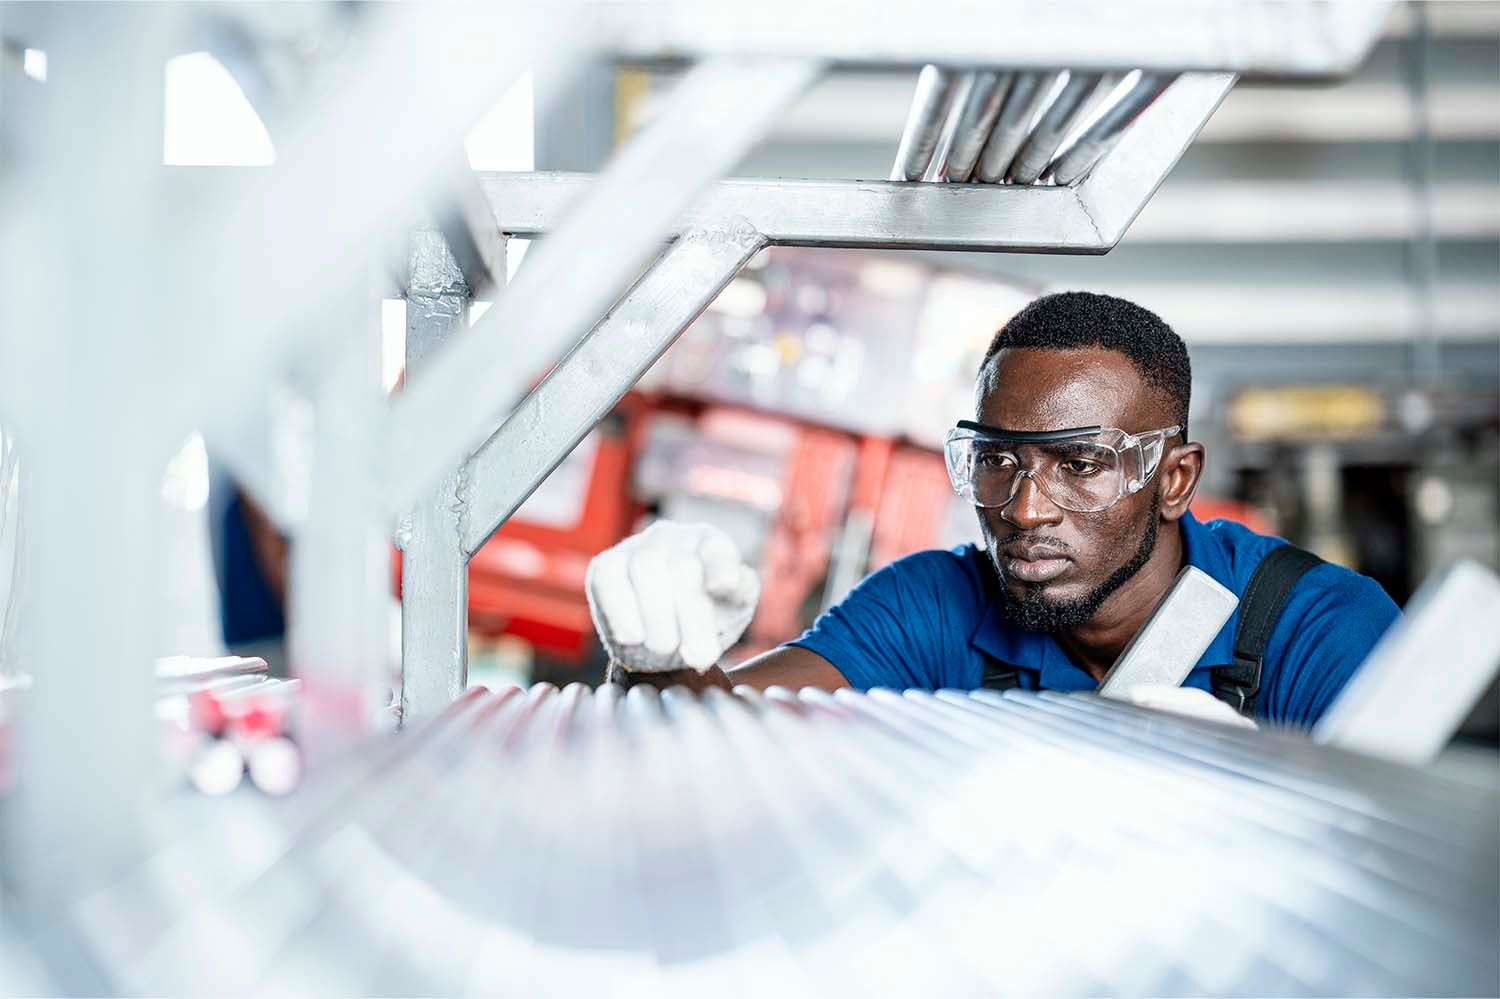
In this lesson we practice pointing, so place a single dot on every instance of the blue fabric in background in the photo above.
(923, 622)
(249, 609)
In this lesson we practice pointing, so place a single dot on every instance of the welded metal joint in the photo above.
(1119, 185)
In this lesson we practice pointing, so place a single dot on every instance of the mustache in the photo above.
(1032, 539)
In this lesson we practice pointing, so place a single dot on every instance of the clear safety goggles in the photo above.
(1083, 469)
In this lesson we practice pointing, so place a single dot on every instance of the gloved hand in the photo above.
(673, 596)
(1190, 702)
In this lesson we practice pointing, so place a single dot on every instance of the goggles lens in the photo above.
(1082, 471)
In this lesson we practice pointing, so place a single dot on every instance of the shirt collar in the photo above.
(997, 637)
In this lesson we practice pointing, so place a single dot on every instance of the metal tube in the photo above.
(718, 111)
(924, 122)
(434, 567)
(1076, 161)
(1053, 127)
(587, 383)
(937, 167)
(986, 97)
(1027, 92)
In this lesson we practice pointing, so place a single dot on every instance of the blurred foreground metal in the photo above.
(549, 842)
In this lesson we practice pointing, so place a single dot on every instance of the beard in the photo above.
(1033, 610)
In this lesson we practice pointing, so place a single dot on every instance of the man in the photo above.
(1080, 466)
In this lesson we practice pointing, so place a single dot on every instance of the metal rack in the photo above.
(1097, 185)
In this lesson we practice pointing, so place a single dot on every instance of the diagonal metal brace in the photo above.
(587, 383)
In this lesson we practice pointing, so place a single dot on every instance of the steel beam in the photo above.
(1259, 37)
(587, 384)
(434, 566)
(716, 114)
(855, 214)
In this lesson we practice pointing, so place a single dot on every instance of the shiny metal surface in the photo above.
(1075, 162)
(1122, 183)
(873, 214)
(1174, 637)
(1413, 692)
(717, 112)
(1260, 37)
(930, 104)
(1022, 102)
(587, 383)
(981, 108)
(434, 566)
(1037, 151)
(545, 842)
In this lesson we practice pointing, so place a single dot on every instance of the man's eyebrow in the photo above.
(1085, 448)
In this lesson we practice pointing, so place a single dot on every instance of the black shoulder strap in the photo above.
(1238, 683)
(998, 675)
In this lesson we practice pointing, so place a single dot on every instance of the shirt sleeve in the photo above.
(1330, 623)
(906, 626)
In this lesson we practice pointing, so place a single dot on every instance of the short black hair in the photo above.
(1076, 320)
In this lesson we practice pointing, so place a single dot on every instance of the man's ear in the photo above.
(1181, 468)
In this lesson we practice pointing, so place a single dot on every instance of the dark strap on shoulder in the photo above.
(1238, 683)
(998, 674)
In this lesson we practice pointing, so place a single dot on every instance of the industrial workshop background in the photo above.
(234, 235)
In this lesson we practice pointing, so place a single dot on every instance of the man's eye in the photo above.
(1081, 468)
(993, 459)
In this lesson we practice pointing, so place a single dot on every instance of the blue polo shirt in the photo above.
(924, 621)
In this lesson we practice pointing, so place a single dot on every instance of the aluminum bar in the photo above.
(1052, 128)
(986, 97)
(1075, 162)
(1243, 36)
(587, 383)
(434, 567)
(1174, 637)
(1013, 124)
(1427, 673)
(930, 105)
(715, 115)
(855, 214)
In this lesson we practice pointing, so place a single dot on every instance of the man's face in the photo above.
(1058, 566)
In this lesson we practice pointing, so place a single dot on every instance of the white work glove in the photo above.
(1190, 702)
(672, 596)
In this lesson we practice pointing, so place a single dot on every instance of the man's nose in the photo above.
(1029, 507)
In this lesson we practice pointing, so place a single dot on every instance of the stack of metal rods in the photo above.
(560, 842)
(993, 127)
